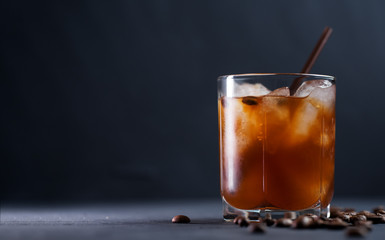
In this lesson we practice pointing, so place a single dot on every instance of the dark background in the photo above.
(116, 100)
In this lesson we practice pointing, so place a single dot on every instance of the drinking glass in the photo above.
(276, 148)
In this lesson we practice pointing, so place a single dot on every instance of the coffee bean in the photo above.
(376, 218)
(241, 221)
(351, 213)
(304, 222)
(335, 223)
(366, 224)
(356, 231)
(319, 223)
(290, 215)
(357, 218)
(284, 222)
(257, 228)
(236, 219)
(269, 222)
(379, 209)
(313, 216)
(365, 213)
(337, 220)
(373, 217)
(250, 100)
(382, 220)
(345, 217)
(315, 219)
(180, 219)
(349, 210)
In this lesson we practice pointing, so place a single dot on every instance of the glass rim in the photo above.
(232, 76)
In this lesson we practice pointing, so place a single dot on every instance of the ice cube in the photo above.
(303, 119)
(248, 89)
(320, 101)
(283, 91)
(275, 103)
(307, 87)
(323, 97)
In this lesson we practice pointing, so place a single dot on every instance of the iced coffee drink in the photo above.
(276, 149)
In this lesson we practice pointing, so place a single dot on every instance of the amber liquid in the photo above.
(277, 153)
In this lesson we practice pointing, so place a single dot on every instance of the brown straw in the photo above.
(312, 58)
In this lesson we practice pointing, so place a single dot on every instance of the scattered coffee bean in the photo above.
(257, 228)
(304, 222)
(180, 219)
(241, 221)
(373, 217)
(353, 213)
(269, 222)
(250, 100)
(377, 218)
(349, 210)
(356, 231)
(345, 217)
(382, 220)
(379, 209)
(357, 218)
(313, 216)
(319, 223)
(365, 213)
(337, 220)
(290, 215)
(335, 223)
(366, 224)
(236, 219)
(284, 222)
(360, 222)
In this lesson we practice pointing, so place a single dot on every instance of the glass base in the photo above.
(229, 212)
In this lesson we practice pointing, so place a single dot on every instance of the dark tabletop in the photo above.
(151, 220)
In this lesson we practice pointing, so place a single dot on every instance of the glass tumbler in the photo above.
(276, 146)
